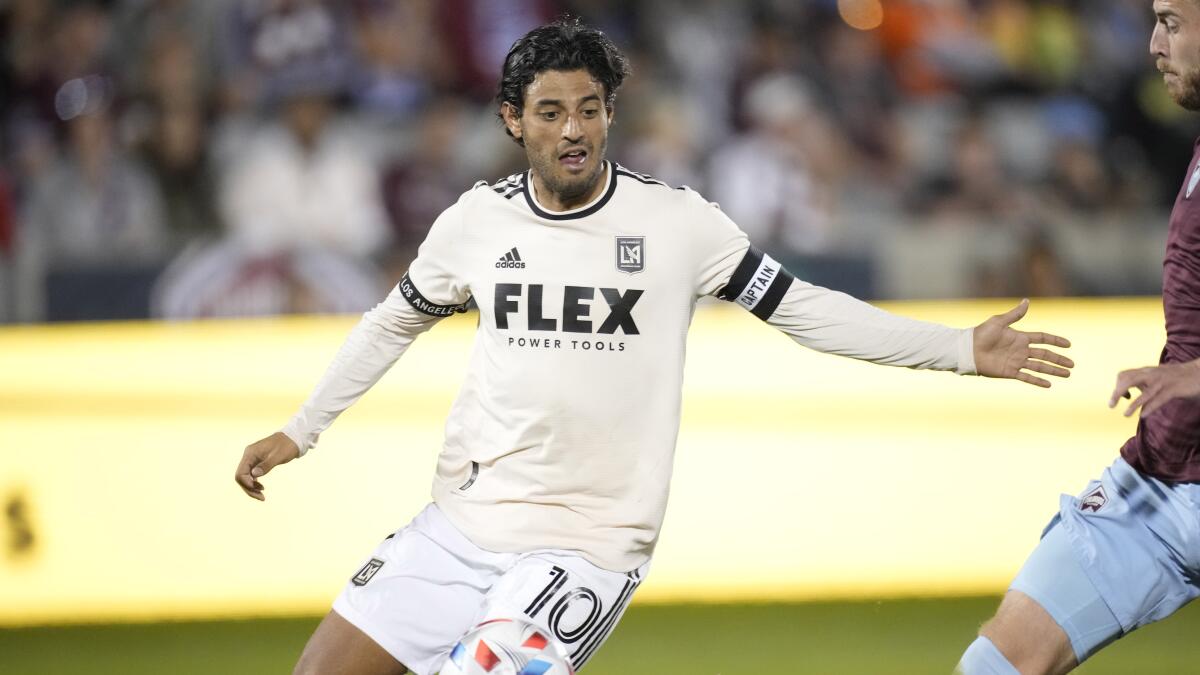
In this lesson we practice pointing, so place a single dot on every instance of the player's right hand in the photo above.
(259, 458)
(1157, 385)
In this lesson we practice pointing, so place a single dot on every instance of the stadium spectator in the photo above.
(305, 182)
(975, 185)
(177, 155)
(779, 179)
(1079, 181)
(267, 48)
(25, 70)
(166, 51)
(419, 183)
(8, 227)
(707, 73)
(665, 139)
(168, 120)
(81, 41)
(935, 47)
(862, 97)
(303, 217)
(96, 207)
(402, 61)
(478, 33)
(224, 279)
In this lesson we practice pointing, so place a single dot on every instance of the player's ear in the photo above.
(612, 113)
(512, 118)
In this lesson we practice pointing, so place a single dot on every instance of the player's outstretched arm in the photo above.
(1001, 351)
(1157, 385)
(259, 458)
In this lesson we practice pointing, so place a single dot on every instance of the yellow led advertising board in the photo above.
(798, 475)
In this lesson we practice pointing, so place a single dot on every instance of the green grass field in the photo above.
(892, 637)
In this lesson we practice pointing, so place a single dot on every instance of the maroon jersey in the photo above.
(1167, 444)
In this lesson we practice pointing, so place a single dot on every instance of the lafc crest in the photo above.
(368, 570)
(631, 254)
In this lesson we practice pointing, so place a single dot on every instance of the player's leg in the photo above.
(1121, 555)
(1028, 638)
(574, 601)
(337, 647)
(1051, 619)
(412, 599)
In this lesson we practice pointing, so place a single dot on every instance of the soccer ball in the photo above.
(507, 647)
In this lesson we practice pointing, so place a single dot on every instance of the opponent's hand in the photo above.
(259, 458)
(1001, 351)
(1158, 385)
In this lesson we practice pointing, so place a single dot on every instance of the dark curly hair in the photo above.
(566, 44)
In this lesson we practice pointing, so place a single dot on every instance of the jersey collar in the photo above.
(581, 212)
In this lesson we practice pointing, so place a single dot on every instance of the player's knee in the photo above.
(1027, 638)
(311, 663)
(323, 658)
(306, 665)
(983, 658)
(338, 647)
(995, 628)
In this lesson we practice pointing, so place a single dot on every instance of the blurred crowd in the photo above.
(200, 158)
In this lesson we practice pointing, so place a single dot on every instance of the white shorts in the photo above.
(426, 585)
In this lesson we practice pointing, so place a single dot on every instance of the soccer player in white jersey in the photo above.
(552, 481)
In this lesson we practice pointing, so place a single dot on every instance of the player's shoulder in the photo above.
(506, 188)
(484, 194)
(681, 195)
(639, 180)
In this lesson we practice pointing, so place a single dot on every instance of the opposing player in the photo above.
(1126, 551)
(552, 482)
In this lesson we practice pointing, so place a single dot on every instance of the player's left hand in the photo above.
(1001, 351)
(260, 457)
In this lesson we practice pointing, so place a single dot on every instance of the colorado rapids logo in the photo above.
(631, 254)
(1094, 500)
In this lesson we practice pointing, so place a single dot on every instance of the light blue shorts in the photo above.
(1122, 554)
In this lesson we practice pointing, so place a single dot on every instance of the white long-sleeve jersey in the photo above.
(563, 434)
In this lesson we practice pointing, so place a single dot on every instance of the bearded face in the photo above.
(564, 128)
(1184, 88)
(1175, 45)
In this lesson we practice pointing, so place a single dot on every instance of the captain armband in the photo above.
(419, 303)
(758, 284)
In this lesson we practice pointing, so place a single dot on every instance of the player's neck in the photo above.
(554, 202)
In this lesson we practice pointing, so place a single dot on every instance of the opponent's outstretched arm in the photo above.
(1157, 385)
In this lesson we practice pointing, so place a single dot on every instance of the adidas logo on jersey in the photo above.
(512, 259)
